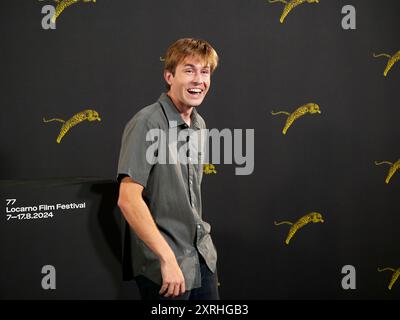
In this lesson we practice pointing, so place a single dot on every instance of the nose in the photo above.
(197, 78)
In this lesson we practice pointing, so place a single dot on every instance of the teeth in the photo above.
(195, 90)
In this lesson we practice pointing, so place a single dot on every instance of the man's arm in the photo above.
(138, 215)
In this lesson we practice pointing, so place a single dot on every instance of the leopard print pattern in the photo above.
(289, 6)
(395, 276)
(314, 217)
(62, 5)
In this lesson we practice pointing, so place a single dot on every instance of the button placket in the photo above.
(190, 171)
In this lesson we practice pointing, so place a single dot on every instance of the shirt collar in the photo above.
(173, 116)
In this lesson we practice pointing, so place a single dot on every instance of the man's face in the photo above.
(190, 83)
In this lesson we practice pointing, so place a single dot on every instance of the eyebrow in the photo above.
(193, 66)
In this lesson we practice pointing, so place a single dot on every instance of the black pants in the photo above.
(149, 290)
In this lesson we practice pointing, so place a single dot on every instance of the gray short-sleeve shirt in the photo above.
(172, 190)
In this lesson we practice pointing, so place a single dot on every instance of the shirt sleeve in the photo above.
(132, 158)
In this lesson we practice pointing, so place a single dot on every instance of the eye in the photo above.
(188, 71)
(206, 71)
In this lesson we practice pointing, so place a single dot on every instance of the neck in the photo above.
(184, 110)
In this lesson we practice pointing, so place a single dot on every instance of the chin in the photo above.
(195, 104)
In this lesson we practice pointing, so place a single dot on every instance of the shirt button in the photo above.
(190, 182)
(198, 226)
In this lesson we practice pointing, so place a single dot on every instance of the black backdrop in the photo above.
(105, 56)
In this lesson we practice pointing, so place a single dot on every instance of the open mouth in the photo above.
(195, 91)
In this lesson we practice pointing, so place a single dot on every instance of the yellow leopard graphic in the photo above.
(62, 5)
(90, 115)
(311, 217)
(289, 6)
(310, 108)
(395, 276)
(209, 169)
(392, 60)
(394, 167)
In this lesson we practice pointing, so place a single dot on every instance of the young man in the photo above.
(172, 251)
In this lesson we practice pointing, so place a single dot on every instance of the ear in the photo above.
(168, 76)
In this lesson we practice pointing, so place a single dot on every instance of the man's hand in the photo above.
(173, 280)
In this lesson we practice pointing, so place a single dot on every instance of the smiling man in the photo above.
(173, 256)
